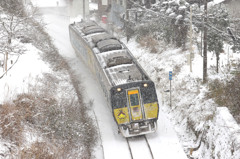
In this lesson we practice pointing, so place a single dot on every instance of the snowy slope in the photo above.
(17, 79)
(190, 108)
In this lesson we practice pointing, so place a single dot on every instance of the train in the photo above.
(129, 92)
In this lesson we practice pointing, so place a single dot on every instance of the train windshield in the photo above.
(134, 99)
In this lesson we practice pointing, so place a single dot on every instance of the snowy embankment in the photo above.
(18, 80)
(224, 135)
(42, 113)
(205, 130)
(19, 77)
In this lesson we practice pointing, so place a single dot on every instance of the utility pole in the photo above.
(191, 47)
(126, 21)
(6, 60)
(170, 80)
(83, 9)
(205, 44)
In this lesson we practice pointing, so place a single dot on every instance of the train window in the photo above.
(108, 45)
(118, 61)
(134, 99)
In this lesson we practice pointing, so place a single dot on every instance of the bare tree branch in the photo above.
(9, 68)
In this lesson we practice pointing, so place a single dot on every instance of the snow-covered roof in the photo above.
(113, 57)
(120, 67)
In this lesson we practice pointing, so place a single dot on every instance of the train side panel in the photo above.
(88, 57)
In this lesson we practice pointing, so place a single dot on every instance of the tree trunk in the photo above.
(217, 58)
(6, 59)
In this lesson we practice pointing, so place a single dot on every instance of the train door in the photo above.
(135, 105)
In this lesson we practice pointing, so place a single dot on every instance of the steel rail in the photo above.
(129, 147)
(149, 147)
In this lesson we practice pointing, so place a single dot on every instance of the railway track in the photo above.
(139, 148)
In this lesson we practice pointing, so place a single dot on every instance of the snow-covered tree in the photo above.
(177, 14)
(218, 23)
(166, 20)
(13, 25)
(234, 30)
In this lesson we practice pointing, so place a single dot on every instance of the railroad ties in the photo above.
(139, 147)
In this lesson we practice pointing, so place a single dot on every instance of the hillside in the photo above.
(42, 111)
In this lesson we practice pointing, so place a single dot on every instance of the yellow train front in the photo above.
(135, 108)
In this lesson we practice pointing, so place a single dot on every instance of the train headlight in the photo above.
(119, 89)
(145, 85)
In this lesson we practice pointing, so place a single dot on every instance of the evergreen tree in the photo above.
(218, 21)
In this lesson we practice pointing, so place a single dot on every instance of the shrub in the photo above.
(227, 94)
(150, 43)
(39, 150)
(11, 123)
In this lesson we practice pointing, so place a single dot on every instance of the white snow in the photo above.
(218, 1)
(93, 6)
(28, 67)
(49, 3)
(182, 8)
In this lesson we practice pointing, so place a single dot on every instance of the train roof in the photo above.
(114, 57)
(120, 66)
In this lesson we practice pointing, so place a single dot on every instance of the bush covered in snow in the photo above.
(227, 93)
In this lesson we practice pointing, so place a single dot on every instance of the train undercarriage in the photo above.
(138, 128)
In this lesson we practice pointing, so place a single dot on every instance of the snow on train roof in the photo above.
(119, 66)
(92, 29)
(108, 45)
(88, 27)
(103, 36)
(113, 57)
(124, 73)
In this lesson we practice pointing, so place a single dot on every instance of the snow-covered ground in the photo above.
(164, 142)
(28, 67)
(188, 98)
